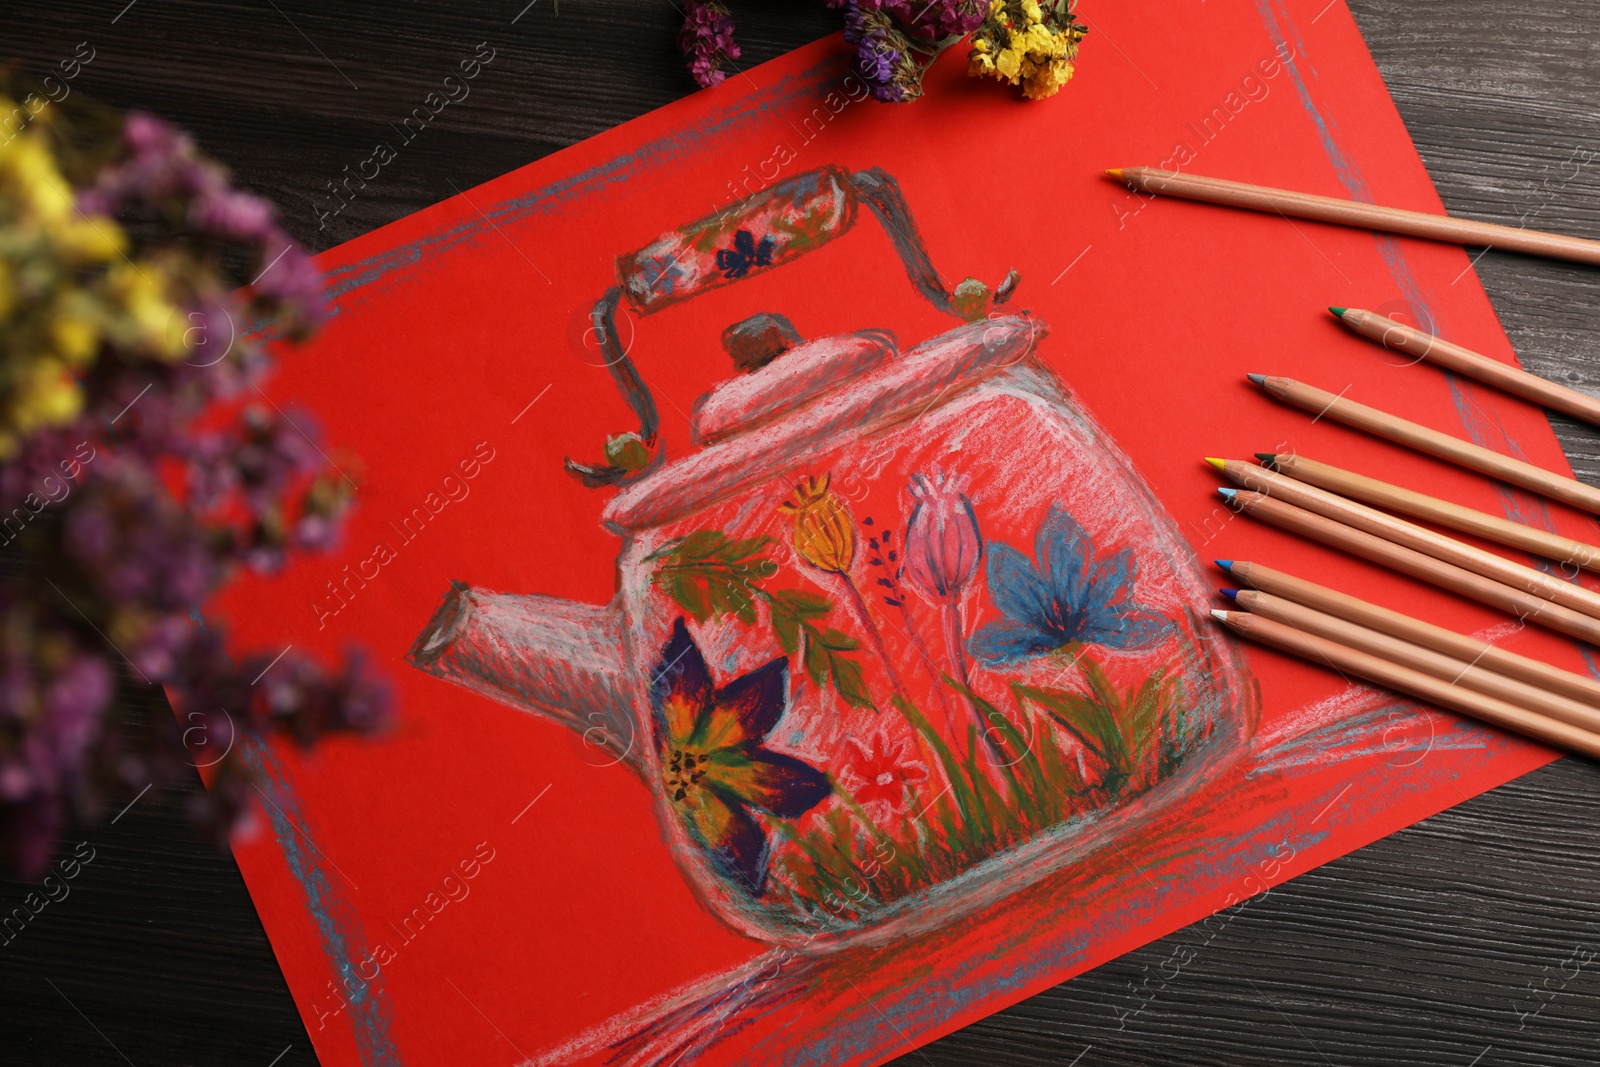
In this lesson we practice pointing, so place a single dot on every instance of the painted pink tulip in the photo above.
(942, 552)
(942, 545)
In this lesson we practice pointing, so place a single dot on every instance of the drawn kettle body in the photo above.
(905, 635)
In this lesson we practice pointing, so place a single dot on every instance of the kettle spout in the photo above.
(539, 654)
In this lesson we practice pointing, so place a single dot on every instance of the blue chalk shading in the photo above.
(1480, 429)
(950, 991)
(713, 129)
(338, 927)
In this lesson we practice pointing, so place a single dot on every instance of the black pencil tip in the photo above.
(1268, 459)
(1257, 379)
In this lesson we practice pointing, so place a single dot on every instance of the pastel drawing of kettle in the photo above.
(906, 633)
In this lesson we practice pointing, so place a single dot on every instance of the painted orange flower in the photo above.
(824, 533)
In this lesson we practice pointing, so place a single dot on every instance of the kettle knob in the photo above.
(754, 342)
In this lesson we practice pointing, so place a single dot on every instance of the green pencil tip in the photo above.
(1268, 459)
(1338, 312)
(1224, 565)
(1257, 379)
(1231, 594)
(1217, 463)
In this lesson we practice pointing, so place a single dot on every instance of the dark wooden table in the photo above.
(1468, 940)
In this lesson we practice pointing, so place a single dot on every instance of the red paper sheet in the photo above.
(491, 884)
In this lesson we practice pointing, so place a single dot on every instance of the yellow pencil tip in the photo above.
(1114, 172)
(1215, 462)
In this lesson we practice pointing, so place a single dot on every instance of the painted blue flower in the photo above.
(661, 272)
(1065, 596)
(736, 262)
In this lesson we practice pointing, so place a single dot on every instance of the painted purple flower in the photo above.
(942, 543)
(713, 765)
(1066, 595)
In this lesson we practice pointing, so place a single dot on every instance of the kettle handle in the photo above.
(753, 235)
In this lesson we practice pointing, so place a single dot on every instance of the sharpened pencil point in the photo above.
(1217, 463)
(1338, 312)
(1114, 172)
(1257, 379)
(1219, 615)
(1227, 494)
(1268, 459)
(1225, 565)
(1231, 594)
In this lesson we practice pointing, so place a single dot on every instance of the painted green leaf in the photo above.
(1087, 719)
(710, 576)
(848, 682)
(817, 662)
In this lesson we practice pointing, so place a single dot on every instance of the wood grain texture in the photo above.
(1420, 949)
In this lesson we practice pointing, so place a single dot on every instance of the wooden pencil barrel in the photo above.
(1370, 668)
(1503, 531)
(1461, 646)
(1412, 536)
(1353, 213)
(1397, 557)
(1503, 376)
(1434, 442)
(1446, 668)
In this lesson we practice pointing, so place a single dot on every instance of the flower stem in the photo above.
(956, 650)
(858, 606)
(926, 659)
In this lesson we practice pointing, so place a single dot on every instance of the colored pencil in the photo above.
(1352, 213)
(1407, 561)
(1511, 379)
(1433, 442)
(1418, 658)
(1370, 668)
(1443, 512)
(1410, 535)
(1460, 646)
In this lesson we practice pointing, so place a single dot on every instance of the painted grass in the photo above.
(1006, 788)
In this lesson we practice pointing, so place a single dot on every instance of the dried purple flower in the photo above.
(707, 39)
(884, 56)
(928, 19)
(141, 506)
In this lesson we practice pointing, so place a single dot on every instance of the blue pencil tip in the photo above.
(1231, 594)
(1257, 379)
(1224, 564)
(1227, 494)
